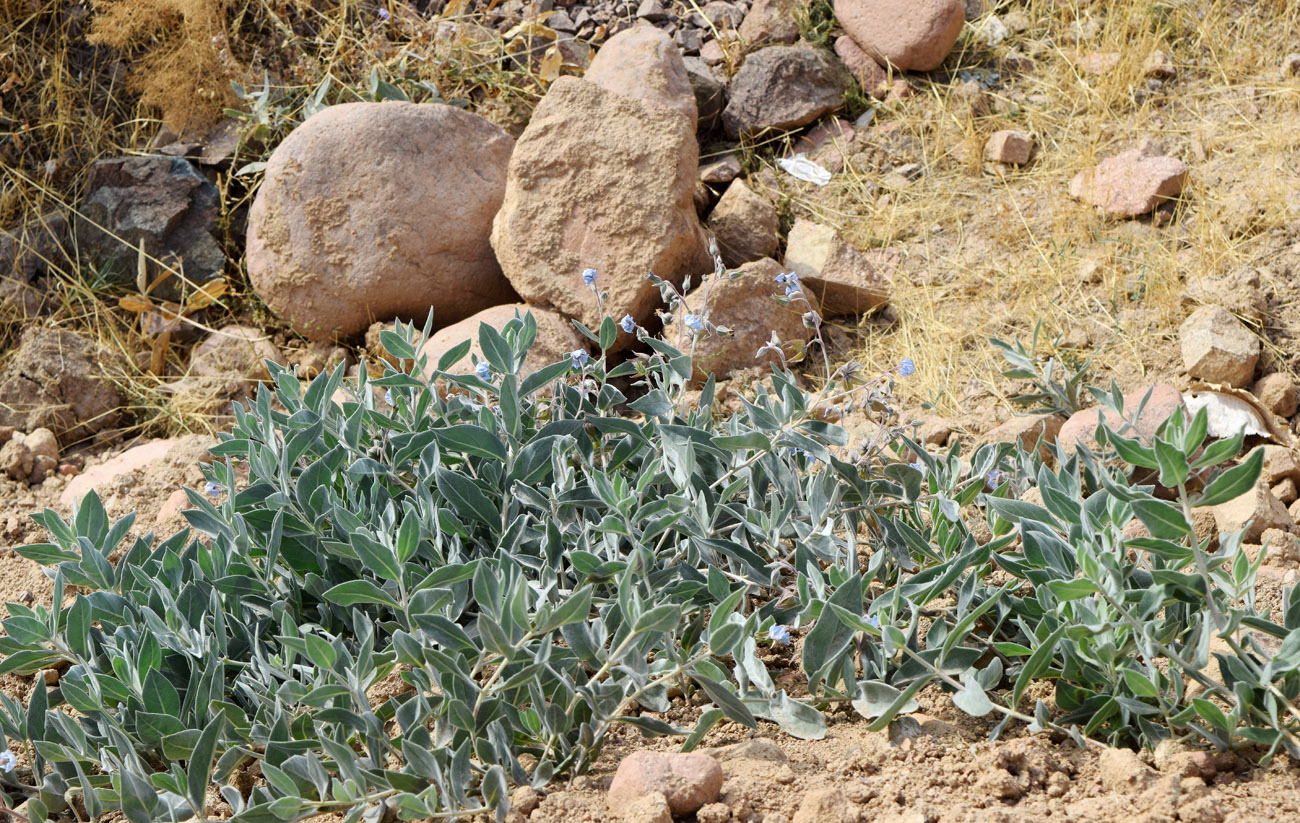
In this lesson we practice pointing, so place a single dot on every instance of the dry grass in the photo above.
(989, 255)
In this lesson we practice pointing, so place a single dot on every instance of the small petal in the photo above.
(693, 322)
(483, 370)
(589, 277)
(7, 761)
(780, 635)
(212, 489)
(579, 357)
(628, 324)
(906, 368)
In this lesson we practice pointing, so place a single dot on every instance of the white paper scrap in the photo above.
(806, 170)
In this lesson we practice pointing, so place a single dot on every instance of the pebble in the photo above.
(1009, 146)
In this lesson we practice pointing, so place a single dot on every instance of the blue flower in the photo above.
(918, 465)
(589, 277)
(388, 396)
(628, 324)
(874, 621)
(995, 477)
(780, 635)
(693, 322)
(792, 290)
(7, 761)
(383, 13)
(906, 368)
(483, 370)
(212, 489)
(579, 357)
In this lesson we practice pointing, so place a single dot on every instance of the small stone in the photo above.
(746, 225)
(42, 443)
(16, 459)
(525, 800)
(721, 171)
(713, 53)
(1000, 784)
(1131, 183)
(842, 277)
(1009, 146)
(1285, 491)
(652, 11)
(1098, 62)
(647, 808)
(1277, 393)
(1122, 771)
(1201, 810)
(770, 21)
(1279, 462)
(713, 813)
(1291, 65)
(169, 519)
(827, 805)
(686, 781)
(1159, 64)
(1218, 348)
(42, 466)
(759, 748)
(710, 92)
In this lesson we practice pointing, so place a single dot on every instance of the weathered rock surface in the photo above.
(556, 337)
(56, 380)
(1131, 183)
(644, 62)
(871, 76)
(1082, 424)
(826, 805)
(1277, 392)
(379, 210)
(745, 224)
(842, 277)
(1256, 511)
(242, 350)
(783, 87)
(710, 92)
(747, 304)
(103, 477)
(1026, 430)
(769, 21)
(617, 199)
(914, 35)
(1218, 348)
(163, 202)
(687, 781)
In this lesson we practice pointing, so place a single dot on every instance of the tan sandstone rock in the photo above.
(914, 35)
(645, 63)
(370, 211)
(600, 181)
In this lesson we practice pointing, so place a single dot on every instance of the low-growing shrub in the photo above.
(535, 567)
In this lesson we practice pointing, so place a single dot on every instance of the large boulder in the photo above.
(914, 35)
(162, 202)
(748, 305)
(644, 62)
(606, 182)
(783, 87)
(380, 210)
(56, 380)
(556, 338)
